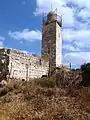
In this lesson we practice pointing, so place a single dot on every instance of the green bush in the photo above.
(85, 67)
(46, 82)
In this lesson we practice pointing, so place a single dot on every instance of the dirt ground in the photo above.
(28, 101)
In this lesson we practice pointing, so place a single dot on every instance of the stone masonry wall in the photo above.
(4, 62)
(49, 44)
(58, 45)
(52, 44)
(24, 66)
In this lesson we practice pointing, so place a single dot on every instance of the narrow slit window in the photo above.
(40, 62)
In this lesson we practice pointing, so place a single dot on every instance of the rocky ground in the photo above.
(32, 101)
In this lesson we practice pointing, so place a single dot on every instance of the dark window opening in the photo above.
(40, 62)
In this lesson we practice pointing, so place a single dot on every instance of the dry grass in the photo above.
(29, 101)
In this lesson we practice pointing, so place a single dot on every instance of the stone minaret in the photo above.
(52, 40)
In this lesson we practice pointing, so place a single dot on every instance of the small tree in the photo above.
(85, 67)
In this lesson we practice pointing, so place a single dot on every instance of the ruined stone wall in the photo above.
(4, 62)
(24, 66)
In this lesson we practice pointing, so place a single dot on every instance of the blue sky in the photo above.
(17, 16)
(21, 25)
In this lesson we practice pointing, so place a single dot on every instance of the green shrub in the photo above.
(85, 67)
(46, 82)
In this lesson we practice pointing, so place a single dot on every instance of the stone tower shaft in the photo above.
(52, 41)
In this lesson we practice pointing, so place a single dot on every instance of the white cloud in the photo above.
(70, 47)
(68, 35)
(26, 34)
(84, 13)
(81, 37)
(82, 25)
(1, 44)
(77, 58)
(62, 9)
(2, 38)
(80, 3)
(45, 5)
(2, 41)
